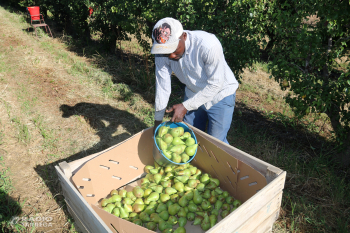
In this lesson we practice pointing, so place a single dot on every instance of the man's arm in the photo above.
(163, 89)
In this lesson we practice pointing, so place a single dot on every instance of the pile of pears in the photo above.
(170, 196)
(176, 144)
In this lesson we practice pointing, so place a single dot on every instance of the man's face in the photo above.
(177, 54)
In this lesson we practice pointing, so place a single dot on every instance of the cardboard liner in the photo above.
(125, 163)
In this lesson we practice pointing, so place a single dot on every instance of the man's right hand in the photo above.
(156, 123)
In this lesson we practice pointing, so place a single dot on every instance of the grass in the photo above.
(109, 97)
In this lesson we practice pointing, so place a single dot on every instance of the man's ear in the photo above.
(184, 35)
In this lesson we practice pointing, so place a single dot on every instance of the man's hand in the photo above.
(179, 112)
(156, 123)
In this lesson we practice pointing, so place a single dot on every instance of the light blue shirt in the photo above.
(202, 68)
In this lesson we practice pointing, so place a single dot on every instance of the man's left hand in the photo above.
(179, 112)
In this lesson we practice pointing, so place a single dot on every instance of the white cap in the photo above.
(166, 35)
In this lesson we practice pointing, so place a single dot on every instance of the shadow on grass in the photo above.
(106, 121)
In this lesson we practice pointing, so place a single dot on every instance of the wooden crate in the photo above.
(257, 214)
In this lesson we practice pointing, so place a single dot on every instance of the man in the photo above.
(197, 59)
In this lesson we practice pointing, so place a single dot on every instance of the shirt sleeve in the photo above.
(213, 61)
(163, 87)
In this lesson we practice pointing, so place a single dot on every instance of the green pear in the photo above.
(127, 208)
(173, 209)
(158, 189)
(183, 201)
(226, 194)
(224, 213)
(185, 172)
(193, 208)
(104, 202)
(205, 225)
(131, 195)
(161, 144)
(219, 191)
(190, 216)
(206, 194)
(175, 197)
(206, 205)
(118, 204)
(221, 198)
(151, 226)
(147, 169)
(137, 208)
(192, 183)
(168, 168)
(144, 217)
(182, 221)
(181, 130)
(155, 218)
(170, 190)
(110, 207)
(200, 187)
(138, 222)
(138, 191)
(157, 177)
(161, 207)
(186, 188)
(205, 178)
(212, 200)
(123, 214)
(185, 135)
(236, 203)
(182, 212)
(178, 149)
(164, 215)
(150, 209)
(179, 186)
(166, 184)
(215, 212)
(191, 150)
(147, 192)
(122, 193)
(168, 138)
(182, 179)
(198, 220)
(218, 204)
(211, 186)
(153, 197)
(116, 212)
(133, 216)
(162, 130)
(176, 158)
(184, 157)
(127, 201)
(113, 192)
(175, 132)
(169, 203)
(177, 141)
(167, 154)
(172, 220)
(139, 201)
(164, 197)
(197, 198)
(164, 225)
(190, 142)
(216, 181)
(189, 195)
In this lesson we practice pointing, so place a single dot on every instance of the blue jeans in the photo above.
(219, 117)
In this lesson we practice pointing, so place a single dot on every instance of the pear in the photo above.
(127, 208)
(147, 192)
(176, 158)
(189, 195)
(183, 201)
(153, 197)
(167, 154)
(205, 178)
(118, 204)
(219, 191)
(206, 194)
(123, 214)
(173, 209)
(131, 195)
(212, 200)
(205, 225)
(116, 212)
(155, 218)
(104, 202)
(137, 208)
(224, 213)
(162, 130)
(127, 201)
(139, 201)
(177, 141)
(144, 217)
(205, 205)
(211, 186)
(175, 132)
(193, 170)
(168, 138)
(122, 193)
(182, 221)
(166, 184)
(164, 225)
(114, 192)
(138, 222)
(181, 130)
(193, 208)
(191, 150)
(172, 220)
(179, 186)
(190, 216)
(185, 135)
(236, 203)
(110, 207)
(164, 197)
(182, 212)
(185, 172)
(184, 157)
(215, 212)
(218, 204)
(154, 171)
(198, 220)
(164, 215)
(158, 189)
(216, 181)
(200, 187)
(175, 197)
(106, 209)
(133, 216)
(170, 190)
(138, 192)
(190, 142)
(221, 198)
(197, 198)
(182, 179)
(151, 226)
(192, 183)
(226, 194)
(161, 144)
(150, 209)
(178, 149)
(147, 169)
(157, 177)
(161, 207)
(169, 203)
(168, 168)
